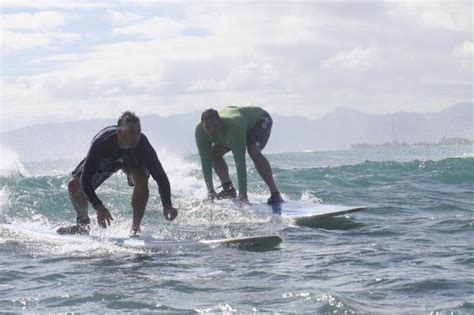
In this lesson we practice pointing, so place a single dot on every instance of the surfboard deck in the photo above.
(306, 214)
(302, 213)
(148, 242)
(249, 241)
(267, 241)
(322, 212)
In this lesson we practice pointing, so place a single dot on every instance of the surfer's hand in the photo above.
(244, 200)
(170, 212)
(103, 216)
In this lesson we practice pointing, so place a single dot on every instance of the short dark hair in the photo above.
(210, 114)
(126, 118)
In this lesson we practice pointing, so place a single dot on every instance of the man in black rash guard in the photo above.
(114, 148)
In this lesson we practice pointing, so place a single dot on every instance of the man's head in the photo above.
(211, 122)
(129, 130)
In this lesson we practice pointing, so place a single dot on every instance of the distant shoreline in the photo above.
(444, 141)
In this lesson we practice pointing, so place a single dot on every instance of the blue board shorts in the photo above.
(260, 132)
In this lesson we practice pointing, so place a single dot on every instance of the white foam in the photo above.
(180, 173)
(310, 197)
(466, 155)
(40, 239)
(3, 204)
(10, 164)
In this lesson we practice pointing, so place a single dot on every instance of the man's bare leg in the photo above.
(219, 164)
(263, 167)
(78, 200)
(139, 177)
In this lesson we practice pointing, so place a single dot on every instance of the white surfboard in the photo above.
(249, 241)
(310, 215)
(147, 242)
(42, 232)
(266, 241)
(300, 212)
(307, 214)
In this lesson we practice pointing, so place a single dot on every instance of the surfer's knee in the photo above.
(218, 151)
(139, 177)
(254, 151)
(74, 185)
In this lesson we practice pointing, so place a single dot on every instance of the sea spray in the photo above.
(3, 204)
(10, 164)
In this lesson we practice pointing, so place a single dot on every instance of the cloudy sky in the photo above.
(67, 60)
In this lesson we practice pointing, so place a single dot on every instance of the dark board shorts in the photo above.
(107, 169)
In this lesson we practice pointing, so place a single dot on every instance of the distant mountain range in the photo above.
(337, 130)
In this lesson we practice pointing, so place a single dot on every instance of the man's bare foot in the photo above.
(135, 232)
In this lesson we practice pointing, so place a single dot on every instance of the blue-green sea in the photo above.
(410, 252)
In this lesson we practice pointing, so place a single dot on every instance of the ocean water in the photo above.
(410, 251)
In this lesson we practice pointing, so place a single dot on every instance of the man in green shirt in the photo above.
(236, 129)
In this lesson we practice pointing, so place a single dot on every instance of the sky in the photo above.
(70, 60)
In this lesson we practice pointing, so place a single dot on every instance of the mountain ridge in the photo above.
(338, 129)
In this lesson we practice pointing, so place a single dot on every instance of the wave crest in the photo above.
(10, 164)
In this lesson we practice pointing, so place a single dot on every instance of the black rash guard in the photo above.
(106, 154)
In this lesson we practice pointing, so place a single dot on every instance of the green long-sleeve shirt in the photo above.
(236, 123)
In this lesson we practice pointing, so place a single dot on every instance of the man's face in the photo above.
(212, 127)
(131, 135)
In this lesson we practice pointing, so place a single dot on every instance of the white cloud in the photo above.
(26, 31)
(157, 27)
(242, 77)
(438, 19)
(13, 42)
(207, 85)
(240, 26)
(41, 21)
(355, 60)
(444, 15)
(252, 75)
(104, 72)
(465, 53)
(57, 58)
(57, 4)
(121, 17)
